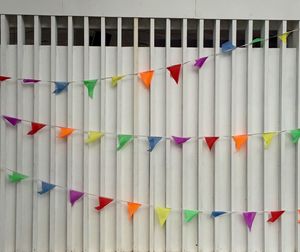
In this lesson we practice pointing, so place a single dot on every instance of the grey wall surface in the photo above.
(214, 9)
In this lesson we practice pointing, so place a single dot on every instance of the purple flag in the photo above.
(74, 196)
(180, 140)
(30, 81)
(12, 120)
(199, 62)
(249, 218)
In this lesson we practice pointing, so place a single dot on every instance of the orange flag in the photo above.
(240, 140)
(146, 77)
(64, 132)
(132, 208)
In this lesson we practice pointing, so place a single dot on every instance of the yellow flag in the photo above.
(115, 79)
(162, 214)
(93, 136)
(268, 137)
(283, 37)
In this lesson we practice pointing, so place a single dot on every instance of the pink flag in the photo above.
(199, 62)
(249, 218)
(180, 140)
(12, 120)
(74, 196)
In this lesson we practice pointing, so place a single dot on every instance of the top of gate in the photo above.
(206, 9)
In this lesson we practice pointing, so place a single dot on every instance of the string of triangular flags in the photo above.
(125, 139)
(145, 76)
(132, 207)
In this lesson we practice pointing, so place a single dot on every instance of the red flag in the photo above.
(275, 215)
(35, 127)
(211, 141)
(103, 202)
(175, 71)
(3, 78)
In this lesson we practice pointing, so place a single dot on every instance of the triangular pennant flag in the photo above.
(64, 132)
(189, 215)
(283, 37)
(298, 214)
(227, 47)
(256, 40)
(162, 214)
(200, 62)
(103, 202)
(122, 140)
(153, 141)
(30, 81)
(268, 137)
(146, 77)
(215, 214)
(275, 215)
(4, 78)
(295, 134)
(132, 208)
(249, 218)
(175, 71)
(60, 86)
(35, 127)
(240, 140)
(115, 79)
(12, 120)
(16, 177)
(46, 187)
(180, 140)
(74, 196)
(93, 136)
(90, 84)
(210, 141)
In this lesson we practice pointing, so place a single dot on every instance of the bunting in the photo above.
(46, 187)
(115, 79)
(189, 215)
(180, 140)
(93, 136)
(35, 127)
(146, 77)
(16, 177)
(4, 78)
(227, 47)
(295, 135)
(75, 196)
(153, 141)
(30, 81)
(175, 72)
(249, 218)
(60, 86)
(132, 207)
(162, 214)
(123, 140)
(210, 141)
(240, 140)
(103, 202)
(268, 137)
(200, 62)
(90, 85)
(12, 120)
(64, 132)
(215, 214)
(275, 215)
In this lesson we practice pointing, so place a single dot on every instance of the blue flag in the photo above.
(153, 141)
(60, 86)
(215, 214)
(227, 47)
(46, 187)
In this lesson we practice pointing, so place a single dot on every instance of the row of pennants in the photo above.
(124, 139)
(161, 212)
(145, 76)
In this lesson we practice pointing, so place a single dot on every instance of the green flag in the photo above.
(16, 177)
(295, 134)
(122, 140)
(257, 40)
(189, 215)
(90, 84)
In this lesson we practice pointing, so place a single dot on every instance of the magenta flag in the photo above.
(74, 196)
(249, 218)
(30, 81)
(199, 62)
(12, 120)
(180, 140)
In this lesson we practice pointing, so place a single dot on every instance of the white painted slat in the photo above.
(297, 178)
